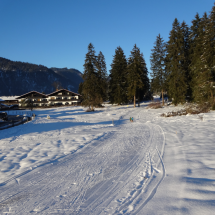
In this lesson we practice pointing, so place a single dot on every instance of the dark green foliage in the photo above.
(190, 61)
(186, 58)
(102, 76)
(80, 89)
(90, 89)
(137, 77)
(203, 60)
(118, 74)
(197, 44)
(207, 73)
(176, 64)
(94, 87)
(158, 66)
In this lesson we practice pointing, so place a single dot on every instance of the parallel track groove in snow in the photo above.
(113, 174)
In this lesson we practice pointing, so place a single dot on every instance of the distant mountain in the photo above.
(17, 78)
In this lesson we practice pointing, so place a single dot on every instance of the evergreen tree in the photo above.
(195, 50)
(80, 88)
(102, 76)
(199, 64)
(90, 90)
(158, 66)
(207, 75)
(118, 74)
(175, 64)
(185, 62)
(137, 73)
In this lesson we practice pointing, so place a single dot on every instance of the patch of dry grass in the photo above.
(155, 105)
(189, 109)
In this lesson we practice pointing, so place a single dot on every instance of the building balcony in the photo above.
(64, 100)
(38, 102)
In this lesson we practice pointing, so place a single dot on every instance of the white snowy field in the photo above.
(80, 163)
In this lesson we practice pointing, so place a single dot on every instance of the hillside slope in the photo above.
(17, 78)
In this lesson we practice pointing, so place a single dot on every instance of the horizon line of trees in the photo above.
(184, 66)
(128, 79)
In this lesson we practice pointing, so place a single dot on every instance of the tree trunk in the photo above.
(91, 107)
(162, 98)
(134, 100)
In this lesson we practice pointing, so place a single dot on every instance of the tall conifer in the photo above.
(207, 74)
(90, 90)
(118, 74)
(177, 83)
(137, 73)
(199, 63)
(195, 50)
(102, 76)
(185, 60)
(158, 66)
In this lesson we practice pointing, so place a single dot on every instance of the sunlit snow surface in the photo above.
(101, 163)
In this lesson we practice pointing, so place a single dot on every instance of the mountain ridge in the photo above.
(17, 78)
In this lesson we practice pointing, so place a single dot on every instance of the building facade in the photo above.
(57, 98)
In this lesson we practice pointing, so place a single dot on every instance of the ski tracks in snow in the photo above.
(115, 174)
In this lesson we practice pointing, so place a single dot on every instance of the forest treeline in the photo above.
(183, 67)
(9, 65)
(128, 79)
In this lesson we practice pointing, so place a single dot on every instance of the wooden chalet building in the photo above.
(35, 98)
(9, 100)
(59, 97)
(64, 97)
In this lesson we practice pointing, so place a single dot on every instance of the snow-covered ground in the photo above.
(101, 163)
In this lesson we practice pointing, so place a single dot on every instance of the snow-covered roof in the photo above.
(4, 98)
(58, 91)
(19, 97)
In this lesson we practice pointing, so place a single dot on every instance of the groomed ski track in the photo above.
(117, 173)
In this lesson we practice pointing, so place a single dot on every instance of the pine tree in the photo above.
(186, 59)
(80, 88)
(144, 92)
(102, 76)
(137, 73)
(207, 75)
(199, 64)
(158, 66)
(175, 64)
(90, 90)
(195, 41)
(118, 74)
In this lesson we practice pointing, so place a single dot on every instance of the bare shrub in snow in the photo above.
(197, 109)
(155, 105)
(89, 110)
(190, 109)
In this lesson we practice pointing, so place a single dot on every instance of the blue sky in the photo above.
(56, 33)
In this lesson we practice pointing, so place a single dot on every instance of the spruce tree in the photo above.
(102, 76)
(199, 65)
(118, 74)
(90, 90)
(158, 66)
(207, 74)
(185, 62)
(80, 88)
(195, 52)
(175, 64)
(137, 77)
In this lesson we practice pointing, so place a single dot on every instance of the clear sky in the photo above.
(56, 33)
